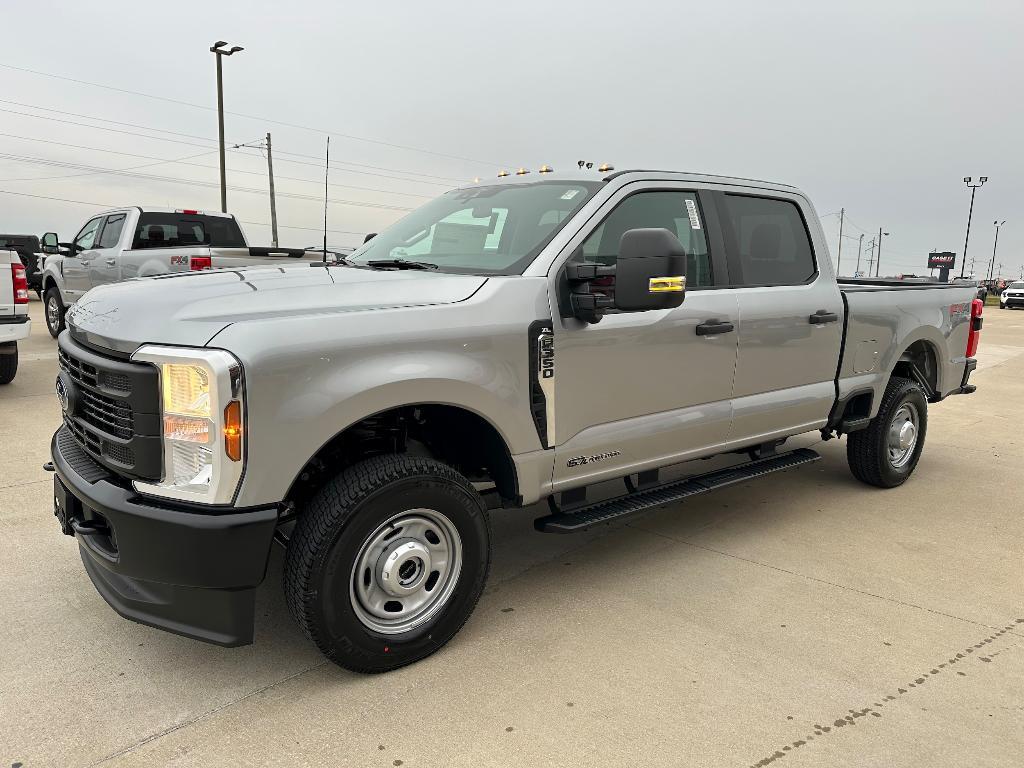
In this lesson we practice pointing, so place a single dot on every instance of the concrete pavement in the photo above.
(799, 620)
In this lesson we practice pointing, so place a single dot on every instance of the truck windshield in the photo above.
(494, 230)
(172, 230)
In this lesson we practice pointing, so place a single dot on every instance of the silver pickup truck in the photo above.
(512, 341)
(125, 243)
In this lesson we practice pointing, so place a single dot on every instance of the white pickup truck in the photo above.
(14, 322)
(125, 243)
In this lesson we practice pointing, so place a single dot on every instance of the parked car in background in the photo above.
(14, 322)
(509, 342)
(125, 243)
(1012, 296)
(32, 257)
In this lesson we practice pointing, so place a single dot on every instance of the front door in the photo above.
(104, 267)
(791, 318)
(76, 265)
(640, 390)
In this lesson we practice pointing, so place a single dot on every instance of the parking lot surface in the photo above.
(799, 620)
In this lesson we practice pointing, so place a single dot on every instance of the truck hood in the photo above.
(190, 309)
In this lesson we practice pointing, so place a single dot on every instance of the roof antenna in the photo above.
(327, 166)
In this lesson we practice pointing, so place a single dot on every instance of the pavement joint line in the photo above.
(822, 581)
(202, 716)
(27, 482)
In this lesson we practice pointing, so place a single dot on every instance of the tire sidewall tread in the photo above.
(867, 449)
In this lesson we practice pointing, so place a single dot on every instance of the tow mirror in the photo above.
(650, 273)
(50, 244)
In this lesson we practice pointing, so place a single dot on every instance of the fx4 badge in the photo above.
(579, 461)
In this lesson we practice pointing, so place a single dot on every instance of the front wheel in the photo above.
(54, 312)
(887, 451)
(387, 562)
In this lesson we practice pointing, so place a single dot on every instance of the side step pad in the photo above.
(621, 506)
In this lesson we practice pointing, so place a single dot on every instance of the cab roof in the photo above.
(533, 176)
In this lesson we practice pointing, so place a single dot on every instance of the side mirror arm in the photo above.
(586, 305)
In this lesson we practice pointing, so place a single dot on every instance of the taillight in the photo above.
(974, 335)
(198, 263)
(20, 284)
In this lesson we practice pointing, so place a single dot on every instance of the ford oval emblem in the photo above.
(62, 394)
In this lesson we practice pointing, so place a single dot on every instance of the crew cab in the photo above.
(575, 338)
(125, 243)
(14, 321)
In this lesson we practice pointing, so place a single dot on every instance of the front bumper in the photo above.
(1012, 301)
(14, 328)
(187, 571)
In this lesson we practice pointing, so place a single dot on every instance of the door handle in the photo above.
(111, 262)
(823, 316)
(714, 327)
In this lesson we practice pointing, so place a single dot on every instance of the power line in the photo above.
(195, 183)
(183, 161)
(63, 120)
(252, 117)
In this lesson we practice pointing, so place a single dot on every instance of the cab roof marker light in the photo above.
(522, 172)
(502, 174)
(545, 169)
(605, 167)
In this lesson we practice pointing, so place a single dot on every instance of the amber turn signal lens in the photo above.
(233, 430)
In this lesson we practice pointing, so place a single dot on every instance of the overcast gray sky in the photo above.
(878, 107)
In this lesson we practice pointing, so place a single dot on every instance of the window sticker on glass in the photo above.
(570, 194)
(691, 209)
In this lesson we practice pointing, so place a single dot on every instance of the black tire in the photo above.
(867, 450)
(54, 320)
(328, 539)
(8, 362)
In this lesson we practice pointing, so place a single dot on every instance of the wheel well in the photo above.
(460, 438)
(919, 363)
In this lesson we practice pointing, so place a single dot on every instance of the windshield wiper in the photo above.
(399, 264)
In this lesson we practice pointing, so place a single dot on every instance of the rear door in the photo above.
(790, 316)
(76, 266)
(640, 390)
(105, 265)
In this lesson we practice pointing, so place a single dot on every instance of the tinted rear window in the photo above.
(171, 230)
(771, 236)
(20, 243)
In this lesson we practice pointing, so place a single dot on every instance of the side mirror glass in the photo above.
(651, 271)
(49, 243)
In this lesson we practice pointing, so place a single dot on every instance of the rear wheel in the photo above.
(387, 562)
(887, 451)
(54, 312)
(8, 362)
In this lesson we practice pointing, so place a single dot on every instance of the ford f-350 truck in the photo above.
(512, 341)
(125, 243)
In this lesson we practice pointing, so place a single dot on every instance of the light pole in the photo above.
(856, 272)
(218, 51)
(995, 245)
(878, 263)
(974, 188)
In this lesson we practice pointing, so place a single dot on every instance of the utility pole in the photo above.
(860, 245)
(970, 213)
(995, 245)
(871, 256)
(839, 255)
(273, 202)
(218, 50)
(878, 262)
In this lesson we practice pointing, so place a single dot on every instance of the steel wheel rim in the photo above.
(405, 571)
(52, 312)
(904, 431)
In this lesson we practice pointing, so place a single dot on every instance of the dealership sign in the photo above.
(941, 259)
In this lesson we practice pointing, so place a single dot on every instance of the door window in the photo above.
(772, 240)
(678, 212)
(87, 237)
(112, 231)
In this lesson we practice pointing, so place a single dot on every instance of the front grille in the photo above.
(113, 411)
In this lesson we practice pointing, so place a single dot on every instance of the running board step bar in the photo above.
(640, 501)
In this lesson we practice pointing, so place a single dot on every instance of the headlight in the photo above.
(202, 403)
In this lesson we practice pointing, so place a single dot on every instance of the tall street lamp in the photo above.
(974, 188)
(995, 245)
(219, 51)
(878, 264)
